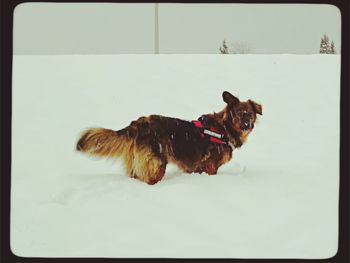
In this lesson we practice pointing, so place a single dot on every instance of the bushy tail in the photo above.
(103, 143)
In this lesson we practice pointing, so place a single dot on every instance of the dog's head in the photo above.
(239, 117)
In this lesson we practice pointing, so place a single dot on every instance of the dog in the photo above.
(148, 144)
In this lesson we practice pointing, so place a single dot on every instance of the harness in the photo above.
(210, 132)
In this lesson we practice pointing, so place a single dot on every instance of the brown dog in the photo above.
(149, 143)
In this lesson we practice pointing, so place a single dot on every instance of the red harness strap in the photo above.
(214, 134)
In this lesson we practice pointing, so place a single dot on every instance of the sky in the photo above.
(264, 28)
(111, 28)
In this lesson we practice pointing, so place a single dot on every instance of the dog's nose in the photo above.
(248, 125)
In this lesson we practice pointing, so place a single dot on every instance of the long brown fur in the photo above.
(149, 143)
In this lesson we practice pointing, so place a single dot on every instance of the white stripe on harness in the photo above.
(214, 134)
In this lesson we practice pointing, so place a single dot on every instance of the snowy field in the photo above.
(277, 198)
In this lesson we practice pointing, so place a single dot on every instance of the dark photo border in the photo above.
(7, 11)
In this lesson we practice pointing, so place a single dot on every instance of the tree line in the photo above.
(326, 47)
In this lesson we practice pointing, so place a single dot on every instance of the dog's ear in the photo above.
(256, 106)
(229, 98)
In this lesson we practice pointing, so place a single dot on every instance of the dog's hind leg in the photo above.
(156, 171)
(147, 166)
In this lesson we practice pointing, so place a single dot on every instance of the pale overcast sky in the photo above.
(266, 28)
(111, 28)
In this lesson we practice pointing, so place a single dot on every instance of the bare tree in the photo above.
(241, 48)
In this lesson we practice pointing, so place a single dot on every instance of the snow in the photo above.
(278, 198)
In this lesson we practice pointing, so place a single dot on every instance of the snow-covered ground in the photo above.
(284, 204)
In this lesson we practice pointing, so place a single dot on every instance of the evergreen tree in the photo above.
(224, 48)
(324, 45)
(332, 48)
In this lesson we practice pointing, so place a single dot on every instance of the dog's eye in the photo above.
(245, 115)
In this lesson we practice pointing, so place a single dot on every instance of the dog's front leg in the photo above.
(209, 162)
(210, 167)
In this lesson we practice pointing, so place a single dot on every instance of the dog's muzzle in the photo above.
(247, 126)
